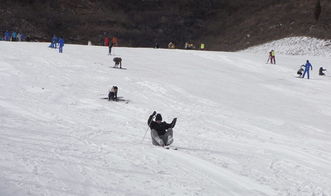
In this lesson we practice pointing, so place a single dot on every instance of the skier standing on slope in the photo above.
(61, 44)
(273, 57)
(307, 67)
(161, 132)
(110, 45)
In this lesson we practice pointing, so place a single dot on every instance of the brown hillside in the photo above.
(221, 24)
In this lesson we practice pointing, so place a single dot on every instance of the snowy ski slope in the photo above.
(245, 128)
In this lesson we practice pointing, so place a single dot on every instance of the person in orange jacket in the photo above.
(114, 40)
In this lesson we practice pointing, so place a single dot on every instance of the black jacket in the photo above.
(160, 128)
(321, 71)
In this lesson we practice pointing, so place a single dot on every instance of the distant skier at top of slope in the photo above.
(307, 67)
(61, 44)
(161, 132)
(272, 57)
(53, 42)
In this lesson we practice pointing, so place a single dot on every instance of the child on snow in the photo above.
(118, 61)
(321, 71)
(272, 57)
(300, 71)
(112, 95)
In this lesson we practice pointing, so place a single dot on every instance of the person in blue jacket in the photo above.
(307, 67)
(61, 44)
(7, 35)
(53, 42)
(13, 36)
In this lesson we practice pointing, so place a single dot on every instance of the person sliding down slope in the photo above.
(161, 132)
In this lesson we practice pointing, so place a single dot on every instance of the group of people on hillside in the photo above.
(187, 45)
(57, 42)
(306, 68)
(14, 36)
(303, 70)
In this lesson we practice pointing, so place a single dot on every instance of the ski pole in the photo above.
(147, 130)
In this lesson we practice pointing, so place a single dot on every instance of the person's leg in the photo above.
(308, 74)
(304, 73)
(168, 137)
(156, 140)
(111, 96)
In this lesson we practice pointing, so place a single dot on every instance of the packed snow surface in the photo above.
(244, 128)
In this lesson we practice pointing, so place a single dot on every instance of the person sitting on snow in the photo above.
(321, 71)
(161, 132)
(299, 72)
(112, 95)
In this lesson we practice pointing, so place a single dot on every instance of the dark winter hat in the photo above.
(158, 117)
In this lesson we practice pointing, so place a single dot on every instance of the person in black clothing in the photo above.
(118, 62)
(112, 96)
(109, 47)
(321, 71)
(161, 132)
(300, 71)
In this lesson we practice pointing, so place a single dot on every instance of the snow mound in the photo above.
(295, 46)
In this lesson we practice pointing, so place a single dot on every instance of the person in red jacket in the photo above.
(106, 41)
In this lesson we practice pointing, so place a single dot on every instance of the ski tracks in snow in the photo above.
(227, 182)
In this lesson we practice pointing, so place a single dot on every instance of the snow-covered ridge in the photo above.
(295, 46)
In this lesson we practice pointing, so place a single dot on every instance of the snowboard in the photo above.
(119, 99)
(124, 68)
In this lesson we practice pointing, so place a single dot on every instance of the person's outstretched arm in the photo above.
(172, 124)
(150, 118)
